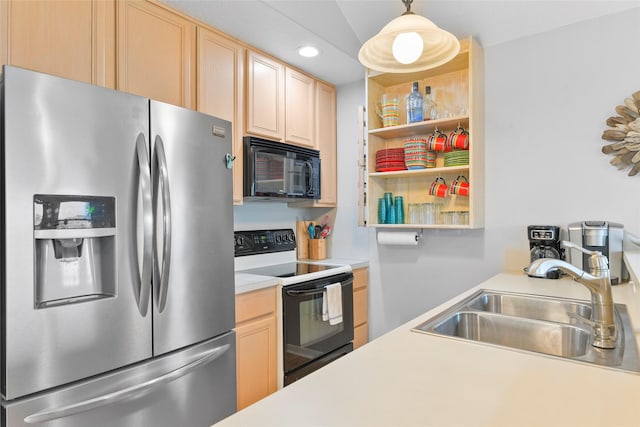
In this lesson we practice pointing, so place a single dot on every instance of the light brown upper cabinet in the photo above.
(265, 97)
(299, 109)
(70, 39)
(280, 102)
(325, 136)
(156, 53)
(220, 90)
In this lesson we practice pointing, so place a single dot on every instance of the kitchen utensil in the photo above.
(325, 232)
(317, 231)
(312, 231)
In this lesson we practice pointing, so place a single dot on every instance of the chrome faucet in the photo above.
(599, 284)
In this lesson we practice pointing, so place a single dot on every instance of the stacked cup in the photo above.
(415, 153)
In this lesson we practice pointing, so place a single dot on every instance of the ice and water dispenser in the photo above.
(75, 249)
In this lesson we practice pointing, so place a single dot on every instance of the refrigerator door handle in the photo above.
(144, 290)
(163, 275)
(128, 393)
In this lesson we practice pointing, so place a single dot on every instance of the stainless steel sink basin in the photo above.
(542, 337)
(535, 323)
(539, 308)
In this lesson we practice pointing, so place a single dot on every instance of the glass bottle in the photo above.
(430, 110)
(414, 105)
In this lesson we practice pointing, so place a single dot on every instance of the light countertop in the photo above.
(405, 378)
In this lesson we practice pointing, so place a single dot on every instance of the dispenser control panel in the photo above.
(55, 212)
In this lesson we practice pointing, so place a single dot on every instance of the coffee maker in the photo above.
(604, 237)
(544, 242)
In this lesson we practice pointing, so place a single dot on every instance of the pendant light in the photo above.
(407, 44)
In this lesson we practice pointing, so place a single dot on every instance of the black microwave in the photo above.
(277, 171)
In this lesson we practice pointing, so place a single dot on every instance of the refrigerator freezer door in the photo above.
(194, 278)
(194, 387)
(67, 139)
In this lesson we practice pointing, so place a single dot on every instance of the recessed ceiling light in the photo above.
(308, 51)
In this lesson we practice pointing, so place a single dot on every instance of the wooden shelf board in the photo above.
(425, 127)
(419, 172)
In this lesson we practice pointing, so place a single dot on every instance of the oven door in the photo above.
(306, 336)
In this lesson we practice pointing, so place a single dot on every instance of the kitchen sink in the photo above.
(542, 337)
(538, 308)
(537, 324)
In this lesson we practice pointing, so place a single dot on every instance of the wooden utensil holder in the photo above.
(317, 248)
(302, 239)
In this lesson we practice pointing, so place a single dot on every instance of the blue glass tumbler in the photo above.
(389, 214)
(398, 208)
(382, 210)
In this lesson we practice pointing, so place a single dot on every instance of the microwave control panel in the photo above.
(256, 242)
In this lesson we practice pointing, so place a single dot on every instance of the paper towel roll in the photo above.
(406, 238)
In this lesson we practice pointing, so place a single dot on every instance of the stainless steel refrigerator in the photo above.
(117, 292)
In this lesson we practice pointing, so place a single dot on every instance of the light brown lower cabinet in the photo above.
(256, 341)
(360, 307)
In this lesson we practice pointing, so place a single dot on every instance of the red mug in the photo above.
(437, 188)
(437, 141)
(460, 187)
(458, 139)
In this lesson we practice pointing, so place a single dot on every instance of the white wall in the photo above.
(348, 240)
(546, 101)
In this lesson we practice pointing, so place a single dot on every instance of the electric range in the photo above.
(309, 339)
(273, 253)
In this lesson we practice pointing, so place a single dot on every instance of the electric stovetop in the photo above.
(290, 269)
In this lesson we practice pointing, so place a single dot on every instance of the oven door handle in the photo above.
(304, 293)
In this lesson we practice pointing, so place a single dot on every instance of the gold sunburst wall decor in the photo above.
(624, 135)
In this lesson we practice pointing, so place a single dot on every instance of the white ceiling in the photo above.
(339, 27)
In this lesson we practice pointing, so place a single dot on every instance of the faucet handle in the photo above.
(597, 261)
(572, 245)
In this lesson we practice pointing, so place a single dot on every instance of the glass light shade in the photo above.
(407, 47)
(439, 46)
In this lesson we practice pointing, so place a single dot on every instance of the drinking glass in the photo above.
(398, 207)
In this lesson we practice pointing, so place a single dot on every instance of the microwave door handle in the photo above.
(144, 289)
(128, 393)
(309, 177)
(163, 273)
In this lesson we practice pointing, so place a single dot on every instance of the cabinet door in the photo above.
(220, 90)
(156, 53)
(256, 348)
(360, 306)
(326, 138)
(256, 360)
(265, 96)
(299, 109)
(70, 39)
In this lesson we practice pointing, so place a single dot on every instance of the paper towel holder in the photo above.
(416, 237)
